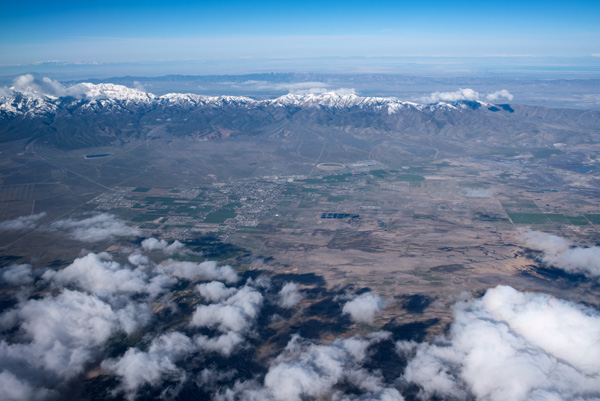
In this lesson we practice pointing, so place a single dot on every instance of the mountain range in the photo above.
(87, 115)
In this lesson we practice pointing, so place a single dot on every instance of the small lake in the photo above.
(96, 156)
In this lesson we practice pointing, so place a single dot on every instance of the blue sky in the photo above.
(111, 31)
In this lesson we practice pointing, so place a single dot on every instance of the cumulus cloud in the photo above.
(305, 370)
(461, 94)
(17, 275)
(208, 270)
(224, 344)
(22, 222)
(511, 345)
(465, 94)
(14, 389)
(138, 259)
(47, 86)
(137, 368)
(47, 341)
(236, 313)
(99, 227)
(152, 244)
(562, 253)
(215, 291)
(60, 334)
(101, 277)
(499, 95)
(363, 308)
(289, 296)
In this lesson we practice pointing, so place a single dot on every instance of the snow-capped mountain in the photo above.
(87, 115)
(105, 96)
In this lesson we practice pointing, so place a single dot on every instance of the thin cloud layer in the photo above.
(96, 228)
(562, 253)
(22, 222)
(294, 88)
(363, 308)
(511, 345)
(17, 275)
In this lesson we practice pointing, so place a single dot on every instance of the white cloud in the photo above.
(139, 86)
(236, 313)
(289, 296)
(562, 253)
(99, 227)
(152, 244)
(14, 389)
(101, 277)
(461, 94)
(498, 95)
(344, 91)
(137, 368)
(465, 94)
(5, 92)
(17, 275)
(305, 370)
(208, 270)
(47, 86)
(61, 334)
(511, 345)
(224, 344)
(215, 291)
(22, 222)
(137, 259)
(363, 308)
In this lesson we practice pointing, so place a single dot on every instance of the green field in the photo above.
(561, 218)
(520, 205)
(219, 216)
(594, 218)
(528, 218)
(336, 199)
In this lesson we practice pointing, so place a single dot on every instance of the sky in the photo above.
(136, 31)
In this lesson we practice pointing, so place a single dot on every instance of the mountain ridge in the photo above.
(34, 103)
(88, 115)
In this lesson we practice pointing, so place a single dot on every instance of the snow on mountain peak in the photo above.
(117, 92)
(31, 96)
